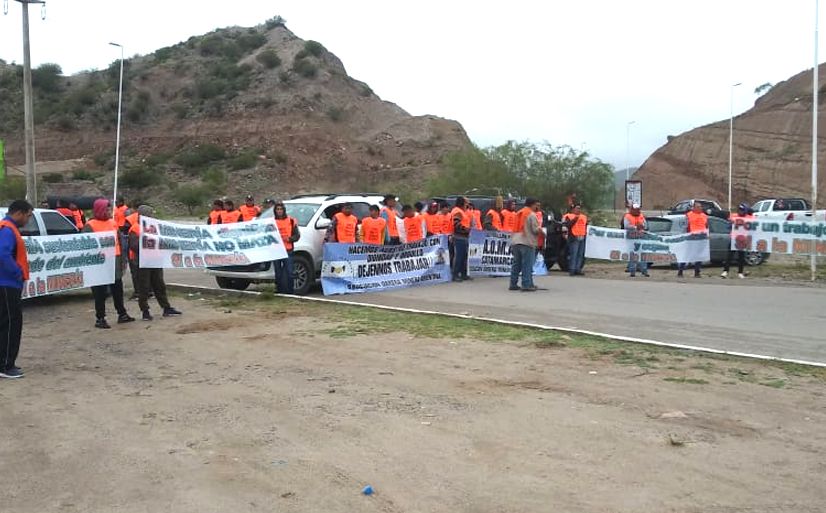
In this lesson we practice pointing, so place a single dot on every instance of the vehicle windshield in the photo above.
(302, 212)
(659, 225)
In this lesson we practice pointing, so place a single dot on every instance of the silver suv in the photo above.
(314, 214)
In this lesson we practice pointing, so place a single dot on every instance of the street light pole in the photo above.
(815, 109)
(628, 149)
(731, 140)
(28, 105)
(117, 140)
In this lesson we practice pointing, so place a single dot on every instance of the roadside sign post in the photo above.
(633, 192)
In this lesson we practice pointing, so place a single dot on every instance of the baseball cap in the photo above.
(635, 205)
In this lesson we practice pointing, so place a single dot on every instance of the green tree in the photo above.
(46, 78)
(191, 196)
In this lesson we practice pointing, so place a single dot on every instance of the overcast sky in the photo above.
(570, 72)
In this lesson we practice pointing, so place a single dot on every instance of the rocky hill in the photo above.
(772, 152)
(237, 110)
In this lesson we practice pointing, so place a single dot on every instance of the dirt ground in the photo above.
(270, 405)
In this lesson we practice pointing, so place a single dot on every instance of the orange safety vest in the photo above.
(119, 213)
(466, 218)
(285, 228)
(413, 228)
(433, 223)
(476, 216)
(20, 256)
(132, 218)
(392, 227)
(78, 215)
(697, 222)
(136, 229)
(540, 216)
(447, 224)
(634, 220)
(521, 216)
(495, 219)
(65, 212)
(249, 213)
(106, 226)
(345, 228)
(230, 216)
(372, 230)
(579, 228)
(509, 220)
(215, 216)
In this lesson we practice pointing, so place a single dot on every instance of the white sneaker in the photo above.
(741, 276)
(724, 274)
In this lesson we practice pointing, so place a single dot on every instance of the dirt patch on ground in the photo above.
(300, 412)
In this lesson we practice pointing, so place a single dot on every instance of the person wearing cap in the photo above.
(635, 225)
(249, 210)
(103, 222)
(576, 224)
(697, 222)
(268, 204)
(216, 212)
(433, 220)
(388, 212)
(149, 279)
(523, 246)
(743, 215)
(288, 229)
(230, 214)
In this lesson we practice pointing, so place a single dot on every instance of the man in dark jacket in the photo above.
(149, 279)
(14, 271)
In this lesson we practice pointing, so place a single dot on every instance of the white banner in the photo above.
(176, 246)
(58, 263)
(489, 254)
(785, 237)
(615, 244)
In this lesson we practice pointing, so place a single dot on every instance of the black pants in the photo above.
(11, 326)
(151, 280)
(100, 294)
(133, 270)
(741, 261)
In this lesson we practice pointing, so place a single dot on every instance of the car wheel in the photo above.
(232, 283)
(303, 275)
(754, 258)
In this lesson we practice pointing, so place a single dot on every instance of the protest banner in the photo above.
(352, 268)
(614, 244)
(182, 246)
(489, 254)
(784, 237)
(58, 263)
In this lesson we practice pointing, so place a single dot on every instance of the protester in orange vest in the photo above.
(447, 222)
(131, 220)
(65, 211)
(344, 226)
(433, 220)
(14, 272)
(540, 238)
(635, 225)
(249, 210)
(388, 212)
(493, 217)
(119, 212)
(508, 217)
(475, 216)
(77, 214)
(288, 229)
(373, 227)
(103, 222)
(461, 230)
(149, 279)
(230, 214)
(413, 225)
(743, 215)
(576, 224)
(697, 221)
(216, 212)
(523, 246)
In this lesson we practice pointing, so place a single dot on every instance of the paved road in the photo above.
(785, 322)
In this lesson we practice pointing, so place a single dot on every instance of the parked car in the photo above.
(719, 233)
(710, 207)
(314, 214)
(45, 222)
(786, 209)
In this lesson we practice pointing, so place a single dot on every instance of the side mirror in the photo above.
(323, 224)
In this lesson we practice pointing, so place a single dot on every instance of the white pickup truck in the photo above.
(786, 209)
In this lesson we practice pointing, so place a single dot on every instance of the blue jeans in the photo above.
(284, 274)
(637, 266)
(460, 247)
(576, 254)
(524, 258)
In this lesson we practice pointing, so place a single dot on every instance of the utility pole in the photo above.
(28, 105)
(731, 140)
(815, 109)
